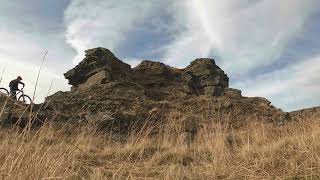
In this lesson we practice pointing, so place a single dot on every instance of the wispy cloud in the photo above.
(246, 34)
(292, 87)
(104, 23)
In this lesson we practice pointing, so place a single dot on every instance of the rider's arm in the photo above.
(22, 84)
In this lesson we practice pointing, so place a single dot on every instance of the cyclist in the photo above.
(14, 86)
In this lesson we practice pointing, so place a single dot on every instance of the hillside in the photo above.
(155, 122)
(105, 88)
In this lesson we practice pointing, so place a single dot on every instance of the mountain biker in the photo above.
(14, 86)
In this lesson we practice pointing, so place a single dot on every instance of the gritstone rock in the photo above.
(206, 77)
(100, 66)
(153, 92)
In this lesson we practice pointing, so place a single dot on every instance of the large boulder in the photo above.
(201, 77)
(150, 73)
(159, 80)
(206, 77)
(98, 67)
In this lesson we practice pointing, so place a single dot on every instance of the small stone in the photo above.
(234, 93)
(213, 90)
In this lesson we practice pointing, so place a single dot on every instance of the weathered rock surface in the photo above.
(98, 67)
(206, 77)
(105, 86)
(110, 94)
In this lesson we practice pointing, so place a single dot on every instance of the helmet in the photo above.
(19, 77)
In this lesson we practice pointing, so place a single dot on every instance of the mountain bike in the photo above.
(20, 94)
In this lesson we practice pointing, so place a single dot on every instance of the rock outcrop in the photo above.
(100, 66)
(109, 92)
(153, 91)
(201, 77)
(204, 76)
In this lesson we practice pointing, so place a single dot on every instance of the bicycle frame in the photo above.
(18, 92)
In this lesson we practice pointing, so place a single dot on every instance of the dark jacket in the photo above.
(14, 85)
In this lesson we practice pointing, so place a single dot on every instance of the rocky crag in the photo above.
(107, 89)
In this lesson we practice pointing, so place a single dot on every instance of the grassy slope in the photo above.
(255, 152)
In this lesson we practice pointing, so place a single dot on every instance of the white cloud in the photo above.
(20, 55)
(133, 62)
(292, 87)
(103, 23)
(246, 34)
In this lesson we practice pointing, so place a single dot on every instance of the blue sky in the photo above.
(268, 48)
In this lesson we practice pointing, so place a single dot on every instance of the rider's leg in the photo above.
(13, 93)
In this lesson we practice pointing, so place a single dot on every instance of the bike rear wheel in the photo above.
(25, 99)
(4, 92)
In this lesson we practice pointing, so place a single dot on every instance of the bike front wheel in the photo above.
(25, 99)
(4, 92)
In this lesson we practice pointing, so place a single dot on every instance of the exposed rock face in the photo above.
(206, 77)
(201, 77)
(153, 91)
(100, 66)
(150, 74)
(107, 91)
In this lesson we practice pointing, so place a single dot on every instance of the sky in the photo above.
(268, 48)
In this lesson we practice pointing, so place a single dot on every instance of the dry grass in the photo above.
(259, 151)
